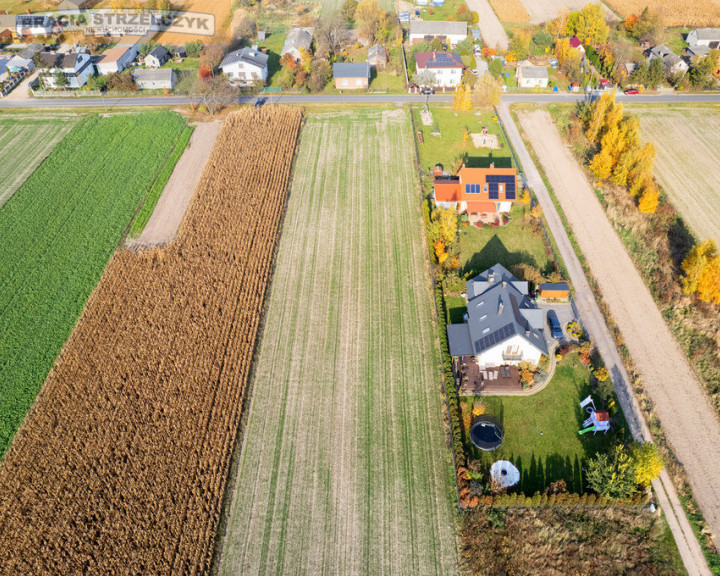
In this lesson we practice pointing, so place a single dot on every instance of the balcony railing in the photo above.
(512, 357)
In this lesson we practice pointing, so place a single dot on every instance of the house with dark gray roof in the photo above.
(503, 325)
(161, 79)
(351, 75)
(377, 57)
(450, 33)
(245, 66)
(157, 57)
(76, 67)
(672, 63)
(709, 37)
(299, 40)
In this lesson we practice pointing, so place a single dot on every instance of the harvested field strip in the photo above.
(121, 465)
(510, 10)
(673, 12)
(688, 155)
(24, 144)
(57, 234)
(343, 467)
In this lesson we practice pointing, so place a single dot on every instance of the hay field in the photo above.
(343, 467)
(332, 7)
(544, 10)
(24, 143)
(688, 156)
(674, 12)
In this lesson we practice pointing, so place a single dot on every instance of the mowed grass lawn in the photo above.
(343, 467)
(56, 235)
(24, 143)
(687, 141)
(444, 149)
(541, 431)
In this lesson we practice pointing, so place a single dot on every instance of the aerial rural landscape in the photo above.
(359, 287)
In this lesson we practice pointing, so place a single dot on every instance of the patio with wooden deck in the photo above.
(495, 381)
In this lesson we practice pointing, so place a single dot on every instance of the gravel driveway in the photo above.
(688, 420)
(493, 34)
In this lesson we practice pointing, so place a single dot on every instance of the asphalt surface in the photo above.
(348, 99)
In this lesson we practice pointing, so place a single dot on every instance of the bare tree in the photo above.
(331, 36)
(215, 93)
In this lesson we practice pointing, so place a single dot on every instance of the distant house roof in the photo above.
(114, 54)
(499, 308)
(659, 51)
(351, 70)
(575, 42)
(159, 52)
(438, 60)
(437, 28)
(703, 34)
(31, 50)
(699, 50)
(179, 52)
(54, 60)
(530, 71)
(153, 75)
(247, 55)
(297, 39)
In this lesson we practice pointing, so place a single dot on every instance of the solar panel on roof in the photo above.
(498, 336)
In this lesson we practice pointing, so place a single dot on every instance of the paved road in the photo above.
(347, 99)
(594, 322)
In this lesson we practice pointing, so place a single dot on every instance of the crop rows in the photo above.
(510, 10)
(57, 234)
(673, 12)
(121, 465)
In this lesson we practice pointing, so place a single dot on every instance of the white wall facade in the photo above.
(532, 82)
(244, 72)
(450, 39)
(494, 356)
(445, 77)
(74, 79)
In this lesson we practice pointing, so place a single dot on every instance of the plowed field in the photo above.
(121, 464)
(343, 467)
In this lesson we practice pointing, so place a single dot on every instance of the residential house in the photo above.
(179, 52)
(709, 37)
(157, 57)
(529, 76)
(450, 33)
(299, 40)
(351, 75)
(74, 4)
(245, 66)
(503, 325)
(484, 193)
(76, 67)
(698, 51)
(116, 59)
(575, 43)
(162, 79)
(377, 57)
(24, 60)
(629, 67)
(672, 63)
(34, 25)
(447, 67)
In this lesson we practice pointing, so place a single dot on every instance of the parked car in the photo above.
(554, 323)
(260, 101)
(632, 91)
(428, 91)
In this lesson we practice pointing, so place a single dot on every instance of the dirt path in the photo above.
(170, 210)
(493, 33)
(685, 413)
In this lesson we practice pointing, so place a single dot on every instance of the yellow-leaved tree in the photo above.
(648, 463)
(709, 285)
(461, 98)
(598, 112)
(488, 91)
(447, 225)
(702, 272)
(650, 198)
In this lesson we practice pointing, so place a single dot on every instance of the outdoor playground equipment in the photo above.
(599, 420)
(487, 433)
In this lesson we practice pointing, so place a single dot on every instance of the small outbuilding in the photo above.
(157, 57)
(351, 76)
(554, 291)
(529, 76)
(377, 57)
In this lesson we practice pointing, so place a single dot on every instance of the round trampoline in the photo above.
(487, 433)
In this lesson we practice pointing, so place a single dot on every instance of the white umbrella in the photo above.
(505, 473)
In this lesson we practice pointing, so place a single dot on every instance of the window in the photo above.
(358, 81)
(472, 188)
(485, 188)
(345, 82)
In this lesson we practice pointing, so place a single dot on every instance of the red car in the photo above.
(632, 91)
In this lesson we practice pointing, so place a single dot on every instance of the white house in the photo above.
(116, 59)
(76, 67)
(450, 33)
(529, 76)
(164, 79)
(245, 66)
(447, 67)
(709, 37)
(157, 57)
(299, 40)
(34, 25)
(503, 325)
(672, 63)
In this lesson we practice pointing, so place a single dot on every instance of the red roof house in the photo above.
(575, 43)
(447, 67)
(481, 192)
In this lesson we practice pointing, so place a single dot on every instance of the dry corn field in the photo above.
(674, 12)
(121, 465)
(343, 467)
(687, 141)
(544, 10)
(510, 10)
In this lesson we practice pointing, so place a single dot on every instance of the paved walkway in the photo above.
(594, 322)
(493, 33)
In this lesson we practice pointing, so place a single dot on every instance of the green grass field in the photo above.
(24, 143)
(541, 431)
(444, 149)
(344, 468)
(56, 235)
